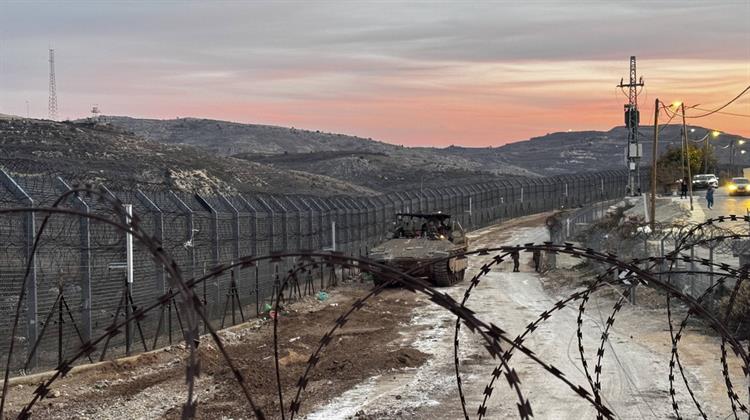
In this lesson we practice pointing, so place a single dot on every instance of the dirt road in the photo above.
(394, 359)
(636, 362)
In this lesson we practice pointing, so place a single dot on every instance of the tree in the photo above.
(670, 165)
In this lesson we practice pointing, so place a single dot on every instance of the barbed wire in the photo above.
(498, 343)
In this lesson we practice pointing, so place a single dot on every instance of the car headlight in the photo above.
(732, 187)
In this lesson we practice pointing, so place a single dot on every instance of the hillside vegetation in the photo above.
(95, 153)
(551, 154)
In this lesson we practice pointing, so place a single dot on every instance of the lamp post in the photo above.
(732, 151)
(686, 153)
(712, 134)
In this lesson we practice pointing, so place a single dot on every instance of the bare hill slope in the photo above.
(381, 165)
(377, 171)
(227, 138)
(95, 153)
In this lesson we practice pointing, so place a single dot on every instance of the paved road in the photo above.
(723, 203)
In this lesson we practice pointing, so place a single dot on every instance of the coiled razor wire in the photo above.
(498, 343)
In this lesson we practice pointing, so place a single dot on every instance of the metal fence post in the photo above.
(236, 272)
(85, 248)
(310, 224)
(29, 238)
(271, 215)
(284, 224)
(253, 247)
(323, 210)
(127, 220)
(298, 210)
(190, 228)
(158, 234)
(215, 255)
(235, 226)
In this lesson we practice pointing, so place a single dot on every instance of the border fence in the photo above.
(78, 280)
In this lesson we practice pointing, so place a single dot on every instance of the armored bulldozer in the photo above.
(418, 239)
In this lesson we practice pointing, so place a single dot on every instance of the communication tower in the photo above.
(52, 87)
(632, 119)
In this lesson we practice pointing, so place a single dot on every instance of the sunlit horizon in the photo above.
(471, 75)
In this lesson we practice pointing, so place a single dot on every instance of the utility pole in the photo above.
(632, 119)
(654, 160)
(686, 156)
(52, 87)
(705, 154)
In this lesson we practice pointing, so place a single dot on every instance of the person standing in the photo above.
(710, 196)
(683, 188)
(515, 255)
(537, 258)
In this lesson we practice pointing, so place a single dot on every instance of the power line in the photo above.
(734, 114)
(721, 107)
(663, 126)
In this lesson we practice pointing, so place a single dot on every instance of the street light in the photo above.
(732, 151)
(713, 134)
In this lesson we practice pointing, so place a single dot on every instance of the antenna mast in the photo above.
(52, 87)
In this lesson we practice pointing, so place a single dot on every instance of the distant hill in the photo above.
(95, 153)
(376, 171)
(228, 138)
(191, 155)
(580, 151)
(365, 162)
(551, 154)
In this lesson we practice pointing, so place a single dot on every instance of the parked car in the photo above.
(702, 181)
(738, 186)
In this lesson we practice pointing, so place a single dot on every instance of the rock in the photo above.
(292, 358)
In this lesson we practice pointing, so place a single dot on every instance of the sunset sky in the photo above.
(417, 73)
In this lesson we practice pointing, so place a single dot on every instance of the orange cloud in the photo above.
(480, 104)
